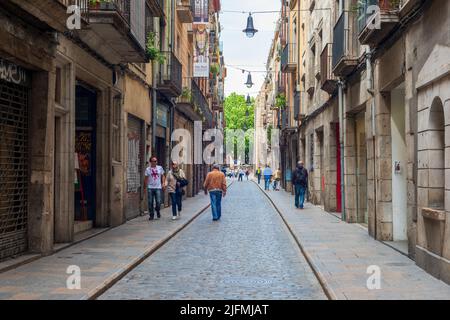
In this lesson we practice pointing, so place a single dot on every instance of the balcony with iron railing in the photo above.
(328, 82)
(343, 57)
(53, 13)
(376, 19)
(185, 10)
(289, 58)
(285, 118)
(201, 103)
(156, 7)
(280, 84)
(299, 105)
(170, 80)
(117, 30)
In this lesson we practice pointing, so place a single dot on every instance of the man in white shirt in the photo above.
(155, 181)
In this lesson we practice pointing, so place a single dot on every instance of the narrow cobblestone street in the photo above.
(249, 254)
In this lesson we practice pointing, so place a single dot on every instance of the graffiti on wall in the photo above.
(13, 73)
(134, 163)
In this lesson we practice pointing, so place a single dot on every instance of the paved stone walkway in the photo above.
(249, 254)
(101, 258)
(342, 253)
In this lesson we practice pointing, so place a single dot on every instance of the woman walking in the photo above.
(175, 182)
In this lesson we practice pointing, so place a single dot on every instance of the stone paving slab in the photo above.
(102, 259)
(248, 255)
(341, 253)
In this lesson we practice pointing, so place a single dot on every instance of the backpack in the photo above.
(300, 176)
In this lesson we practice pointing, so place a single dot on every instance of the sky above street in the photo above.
(242, 52)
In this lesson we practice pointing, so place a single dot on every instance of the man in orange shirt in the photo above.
(216, 185)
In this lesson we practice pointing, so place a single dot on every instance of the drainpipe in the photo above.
(371, 96)
(341, 100)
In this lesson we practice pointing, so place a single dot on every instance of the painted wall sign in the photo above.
(13, 73)
(201, 11)
(201, 50)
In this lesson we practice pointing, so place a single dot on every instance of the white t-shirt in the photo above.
(154, 177)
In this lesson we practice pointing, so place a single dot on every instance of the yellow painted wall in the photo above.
(137, 99)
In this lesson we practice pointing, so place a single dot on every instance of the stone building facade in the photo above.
(371, 93)
(81, 109)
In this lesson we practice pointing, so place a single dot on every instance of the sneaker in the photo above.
(151, 218)
(174, 218)
(158, 217)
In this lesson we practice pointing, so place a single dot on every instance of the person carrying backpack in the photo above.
(300, 180)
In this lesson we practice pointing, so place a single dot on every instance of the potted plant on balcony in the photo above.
(186, 96)
(101, 4)
(152, 49)
(214, 69)
(280, 101)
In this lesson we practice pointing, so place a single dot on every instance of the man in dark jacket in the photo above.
(300, 180)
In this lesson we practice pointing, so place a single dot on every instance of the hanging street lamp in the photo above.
(249, 82)
(249, 100)
(250, 30)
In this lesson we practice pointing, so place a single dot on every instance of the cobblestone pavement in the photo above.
(101, 259)
(249, 254)
(342, 252)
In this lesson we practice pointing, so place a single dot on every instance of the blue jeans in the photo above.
(176, 199)
(300, 192)
(216, 204)
(154, 195)
(267, 182)
(259, 179)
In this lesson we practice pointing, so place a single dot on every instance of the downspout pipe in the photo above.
(371, 96)
(341, 99)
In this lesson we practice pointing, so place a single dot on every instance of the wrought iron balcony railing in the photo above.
(343, 59)
(289, 58)
(328, 81)
(201, 103)
(170, 75)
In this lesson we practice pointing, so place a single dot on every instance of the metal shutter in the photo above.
(135, 165)
(13, 169)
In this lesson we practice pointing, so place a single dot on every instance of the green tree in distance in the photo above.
(236, 109)
(235, 112)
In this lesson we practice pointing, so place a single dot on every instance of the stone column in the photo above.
(41, 133)
(383, 168)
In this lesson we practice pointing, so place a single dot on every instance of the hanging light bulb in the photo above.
(250, 30)
(249, 82)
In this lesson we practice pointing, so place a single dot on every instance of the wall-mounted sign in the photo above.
(201, 11)
(201, 50)
(161, 115)
(14, 74)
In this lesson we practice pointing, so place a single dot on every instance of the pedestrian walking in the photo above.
(300, 180)
(277, 180)
(267, 173)
(247, 173)
(216, 185)
(175, 182)
(241, 175)
(155, 181)
(258, 174)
